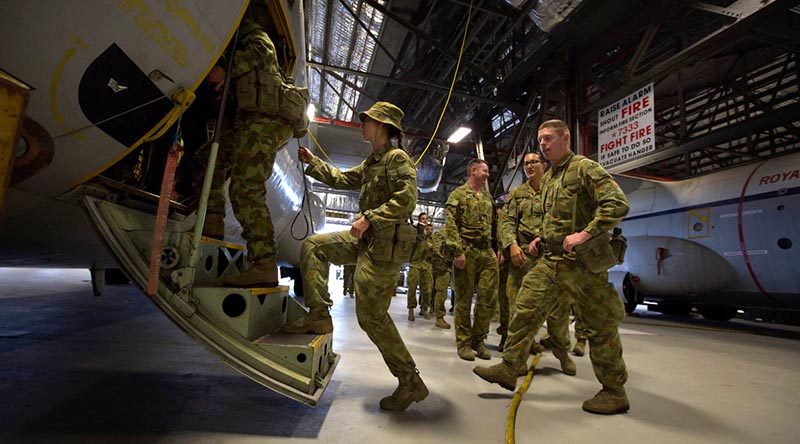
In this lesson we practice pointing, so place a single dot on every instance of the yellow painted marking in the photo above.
(213, 62)
(156, 30)
(212, 241)
(316, 342)
(702, 215)
(176, 9)
(269, 290)
(70, 53)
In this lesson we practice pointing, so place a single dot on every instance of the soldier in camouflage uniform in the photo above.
(580, 200)
(420, 273)
(387, 180)
(520, 224)
(248, 154)
(468, 234)
(348, 275)
(441, 278)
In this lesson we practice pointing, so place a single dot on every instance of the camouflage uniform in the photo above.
(248, 151)
(577, 195)
(519, 224)
(468, 231)
(441, 274)
(387, 180)
(348, 274)
(420, 273)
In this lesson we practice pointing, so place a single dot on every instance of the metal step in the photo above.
(238, 325)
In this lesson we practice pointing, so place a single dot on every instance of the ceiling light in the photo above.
(458, 135)
(311, 111)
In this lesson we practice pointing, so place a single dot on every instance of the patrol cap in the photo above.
(384, 112)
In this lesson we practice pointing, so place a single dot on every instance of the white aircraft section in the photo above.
(728, 238)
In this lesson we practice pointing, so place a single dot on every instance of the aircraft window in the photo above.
(780, 207)
(697, 227)
(785, 243)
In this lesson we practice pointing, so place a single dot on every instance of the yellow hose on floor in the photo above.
(512, 409)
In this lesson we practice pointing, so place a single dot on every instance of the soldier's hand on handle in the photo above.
(359, 227)
(460, 262)
(517, 256)
(533, 247)
(304, 155)
(575, 239)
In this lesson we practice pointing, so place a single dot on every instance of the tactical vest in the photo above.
(264, 89)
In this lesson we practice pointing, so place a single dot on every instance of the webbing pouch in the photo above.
(596, 253)
(381, 244)
(405, 243)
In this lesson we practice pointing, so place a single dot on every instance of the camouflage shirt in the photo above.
(579, 195)
(468, 219)
(439, 258)
(521, 218)
(387, 180)
(427, 249)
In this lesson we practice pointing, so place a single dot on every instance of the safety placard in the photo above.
(625, 129)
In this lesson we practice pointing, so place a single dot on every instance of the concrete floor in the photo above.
(75, 368)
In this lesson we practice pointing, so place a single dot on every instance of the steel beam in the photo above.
(427, 37)
(712, 44)
(417, 85)
(779, 117)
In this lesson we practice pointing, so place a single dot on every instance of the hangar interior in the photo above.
(724, 76)
(713, 233)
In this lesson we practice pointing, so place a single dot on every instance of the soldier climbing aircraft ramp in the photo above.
(240, 325)
(103, 81)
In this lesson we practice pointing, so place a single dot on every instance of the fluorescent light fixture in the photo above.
(311, 111)
(458, 135)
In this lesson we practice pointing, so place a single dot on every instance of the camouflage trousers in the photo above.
(420, 275)
(348, 276)
(375, 284)
(557, 322)
(247, 154)
(480, 274)
(549, 288)
(441, 280)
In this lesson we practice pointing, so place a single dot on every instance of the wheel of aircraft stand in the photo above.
(717, 312)
(632, 298)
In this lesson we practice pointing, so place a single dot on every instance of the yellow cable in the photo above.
(320, 148)
(452, 85)
(512, 409)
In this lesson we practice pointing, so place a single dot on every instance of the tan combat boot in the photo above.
(441, 323)
(580, 347)
(262, 273)
(608, 401)
(410, 314)
(318, 321)
(480, 350)
(410, 389)
(465, 353)
(214, 226)
(567, 364)
(501, 373)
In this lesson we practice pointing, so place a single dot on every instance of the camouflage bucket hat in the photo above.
(384, 112)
